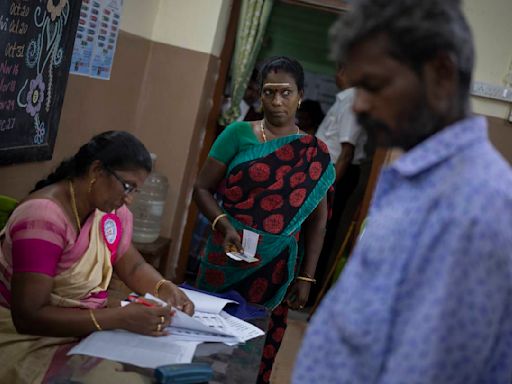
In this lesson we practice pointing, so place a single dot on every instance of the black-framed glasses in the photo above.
(127, 187)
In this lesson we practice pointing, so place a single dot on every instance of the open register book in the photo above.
(210, 322)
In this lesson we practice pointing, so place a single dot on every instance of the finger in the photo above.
(158, 334)
(292, 296)
(162, 310)
(231, 247)
(188, 308)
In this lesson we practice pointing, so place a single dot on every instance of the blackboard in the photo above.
(36, 44)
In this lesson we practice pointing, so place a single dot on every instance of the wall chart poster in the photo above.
(96, 38)
(36, 42)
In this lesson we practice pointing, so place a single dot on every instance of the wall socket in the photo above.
(491, 91)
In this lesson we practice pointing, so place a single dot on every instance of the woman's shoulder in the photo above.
(39, 215)
(39, 207)
(239, 128)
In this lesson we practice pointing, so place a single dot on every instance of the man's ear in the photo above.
(441, 79)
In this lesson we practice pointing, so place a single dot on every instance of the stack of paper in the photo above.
(132, 348)
(209, 324)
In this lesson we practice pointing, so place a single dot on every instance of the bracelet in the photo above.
(217, 219)
(158, 285)
(96, 324)
(308, 279)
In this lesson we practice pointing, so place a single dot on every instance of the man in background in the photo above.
(347, 144)
(340, 131)
(310, 116)
(426, 296)
(250, 104)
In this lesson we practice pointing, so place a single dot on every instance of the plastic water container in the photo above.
(148, 207)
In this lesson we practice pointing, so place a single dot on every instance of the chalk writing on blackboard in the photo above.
(36, 37)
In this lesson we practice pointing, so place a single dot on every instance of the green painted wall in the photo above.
(299, 32)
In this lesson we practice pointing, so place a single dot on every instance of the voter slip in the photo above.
(249, 244)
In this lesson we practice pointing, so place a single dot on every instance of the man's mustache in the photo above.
(371, 125)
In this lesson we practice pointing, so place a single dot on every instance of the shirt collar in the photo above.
(349, 92)
(441, 146)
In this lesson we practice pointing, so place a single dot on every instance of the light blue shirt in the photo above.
(426, 294)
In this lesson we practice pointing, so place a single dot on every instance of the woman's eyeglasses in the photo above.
(127, 187)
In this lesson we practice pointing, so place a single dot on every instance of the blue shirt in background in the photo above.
(426, 294)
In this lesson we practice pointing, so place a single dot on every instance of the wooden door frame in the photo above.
(210, 135)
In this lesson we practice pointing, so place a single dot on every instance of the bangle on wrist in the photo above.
(94, 321)
(214, 222)
(158, 285)
(308, 279)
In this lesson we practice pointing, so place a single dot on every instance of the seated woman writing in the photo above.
(59, 249)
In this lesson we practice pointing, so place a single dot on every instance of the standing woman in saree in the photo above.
(273, 180)
(58, 251)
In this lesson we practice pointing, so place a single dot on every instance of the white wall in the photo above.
(139, 17)
(198, 25)
(491, 21)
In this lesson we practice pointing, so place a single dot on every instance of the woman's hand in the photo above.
(150, 321)
(172, 295)
(232, 241)
(298, 294)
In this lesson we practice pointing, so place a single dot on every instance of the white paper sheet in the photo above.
(182, 320)
(208, 327)
(249, 244)
(241, 329)
(143, 351)
(180, 334)
(207, 303)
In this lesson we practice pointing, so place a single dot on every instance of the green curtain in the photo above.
(254, 15)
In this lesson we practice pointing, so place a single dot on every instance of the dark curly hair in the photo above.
(417, 31)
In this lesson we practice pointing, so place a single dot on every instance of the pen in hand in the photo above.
(141, 300)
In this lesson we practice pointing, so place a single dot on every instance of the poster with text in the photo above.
(96, 39)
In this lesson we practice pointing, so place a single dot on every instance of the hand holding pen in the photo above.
(146, 316)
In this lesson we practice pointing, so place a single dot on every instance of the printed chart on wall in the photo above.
(96, 38)
(36, 41)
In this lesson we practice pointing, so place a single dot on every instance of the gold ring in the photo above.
(158, 327)
(162, 319)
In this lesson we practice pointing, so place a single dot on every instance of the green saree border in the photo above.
(261, 150)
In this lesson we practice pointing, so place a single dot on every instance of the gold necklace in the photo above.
(73, 205)
(262, 127)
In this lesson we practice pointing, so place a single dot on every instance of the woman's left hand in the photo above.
(298, 294)
(170, 293)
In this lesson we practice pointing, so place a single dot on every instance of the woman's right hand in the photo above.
(150, 321)
(232, 241)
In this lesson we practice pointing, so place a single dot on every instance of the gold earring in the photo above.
(93, 180)
(300, 101)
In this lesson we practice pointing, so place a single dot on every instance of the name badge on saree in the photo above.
(112, 231)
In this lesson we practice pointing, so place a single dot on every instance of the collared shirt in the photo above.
(426, 294)
(340, 126)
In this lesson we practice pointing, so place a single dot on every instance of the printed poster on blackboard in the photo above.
(96, 38)
(36, 39)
